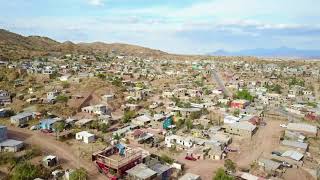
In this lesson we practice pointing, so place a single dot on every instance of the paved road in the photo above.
(48, 144)
(220, 82)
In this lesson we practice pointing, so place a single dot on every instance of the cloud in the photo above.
(96, 2)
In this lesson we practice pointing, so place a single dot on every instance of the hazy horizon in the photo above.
(182, 27)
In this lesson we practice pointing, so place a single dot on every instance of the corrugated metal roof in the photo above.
(293, 155)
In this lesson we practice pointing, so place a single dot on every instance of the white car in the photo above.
(283, 125)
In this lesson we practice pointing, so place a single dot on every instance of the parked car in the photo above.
(283, 125)
(276, 153)
(228, 149)
(46, 131)
(23, 125)
(35, 127)
(190, 158)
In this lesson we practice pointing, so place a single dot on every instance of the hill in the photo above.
(276, 52)
(14, 46)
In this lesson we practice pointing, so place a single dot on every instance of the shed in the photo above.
(85, 136)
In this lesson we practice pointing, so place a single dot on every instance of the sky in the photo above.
(175, 26)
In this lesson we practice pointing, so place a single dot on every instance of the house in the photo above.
(185, 112)
(184, 142)
(239, 104)
(295, 155)
(245, 129)
(85, 136)
(99, 109)
(268, 165)
(124, 130)
(141, 172)
(3, 133)
(295, 145)
(303, 128)
(50, 161)
(51, 96)
(47, 124)
(83, 122)
(9, 145)
(21, 118)
(229, 119)
(190, 176)
(163, 171)
(215, 153)
(5, 97)
(142, 120)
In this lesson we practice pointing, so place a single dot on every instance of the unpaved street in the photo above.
(48, 144)
(265, 140)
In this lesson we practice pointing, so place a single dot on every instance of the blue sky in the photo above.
(178, 26)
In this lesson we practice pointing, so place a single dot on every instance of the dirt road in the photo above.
(265, 140)
(49, 145)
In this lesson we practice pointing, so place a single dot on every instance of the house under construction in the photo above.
(114, 161)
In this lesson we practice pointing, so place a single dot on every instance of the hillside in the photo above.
(275, 52)
(14, 46)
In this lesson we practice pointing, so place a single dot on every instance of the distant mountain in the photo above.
(276, 52)
(14, 46)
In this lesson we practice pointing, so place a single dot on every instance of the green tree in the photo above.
(117, 137)
(79, 174)
(236, 112)
(58, 127)
(244, 94)
(195, 115)
(128, 115)
(180, 123)
(25, 171)
(94, 125)
(103, 127)
(101, 76)
(221, 175)
(189, 124)
(166, 159)
(230, 165)
(62, 98)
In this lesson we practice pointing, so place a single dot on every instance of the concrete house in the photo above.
(5, 97)
(141, 120)
(52, 95)
(184, 142)
(244, 128)
(21, 118)
(99, 109)
(85, 136)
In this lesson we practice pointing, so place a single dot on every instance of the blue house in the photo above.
(47, 124)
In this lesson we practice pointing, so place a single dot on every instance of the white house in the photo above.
(172, 140)
(99, 109)
(85, 137)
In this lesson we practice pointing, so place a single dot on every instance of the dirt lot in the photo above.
(265, 140)
(68, 157)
